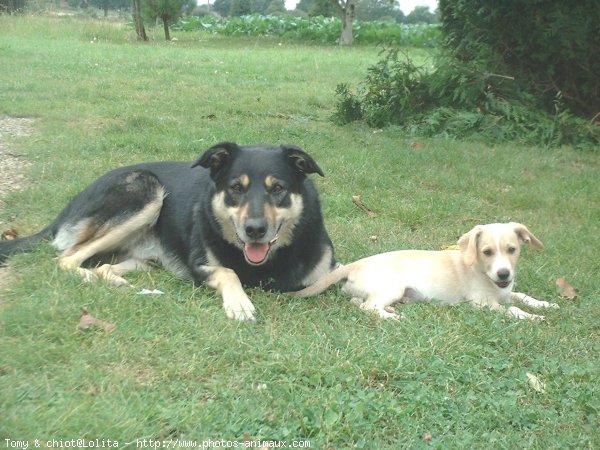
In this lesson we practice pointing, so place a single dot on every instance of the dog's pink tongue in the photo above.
(256, 252)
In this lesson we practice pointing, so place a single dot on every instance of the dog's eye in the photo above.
(237, 188)
(512, 250)
(277, 189)
(488, 252)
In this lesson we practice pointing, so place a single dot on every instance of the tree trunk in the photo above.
(166, 28)
(346, 11)
(137, 18)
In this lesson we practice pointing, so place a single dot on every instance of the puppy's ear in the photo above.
(468, 245)
(301, 161)
(217, 157)
(526, 236)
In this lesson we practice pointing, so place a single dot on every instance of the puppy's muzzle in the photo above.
(504, 278)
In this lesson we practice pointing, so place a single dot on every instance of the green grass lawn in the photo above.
(317, 370)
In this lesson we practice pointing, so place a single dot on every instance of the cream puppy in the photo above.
(482, 272)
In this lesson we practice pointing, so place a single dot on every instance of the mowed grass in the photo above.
(317, 370)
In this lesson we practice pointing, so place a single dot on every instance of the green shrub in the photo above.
(514, 70)
(349, 107)
(458, 100)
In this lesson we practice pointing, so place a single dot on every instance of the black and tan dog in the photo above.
(237, 216)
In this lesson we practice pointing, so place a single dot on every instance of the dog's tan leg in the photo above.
(113, 273)
(73, 263)
(530, 301)
(94, 241)
(235, 301)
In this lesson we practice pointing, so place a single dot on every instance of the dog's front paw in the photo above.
(239, 308)
(552, 305)
(388, 315)
(385, 313)
(106, 272)
(530, 301)
(543, 304)
(520, 314)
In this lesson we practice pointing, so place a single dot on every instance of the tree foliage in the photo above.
(11, 6)
(367, 10)
(110, 4)
(166, 10)
(222, 7)
(276, 8)
(237, 8)
(550, 47)
(421, 14)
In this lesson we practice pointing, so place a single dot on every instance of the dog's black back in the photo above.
(249, 209)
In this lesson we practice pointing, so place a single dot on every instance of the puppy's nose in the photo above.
(503, 274)
(256, 228)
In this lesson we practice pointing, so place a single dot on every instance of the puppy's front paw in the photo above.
(384, 314)
(520, 314)
(544, 304)
(239, 308)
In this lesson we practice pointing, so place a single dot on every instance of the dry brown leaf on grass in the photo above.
(360, 205)
(9, 235)
(565, 290)
(86, 321)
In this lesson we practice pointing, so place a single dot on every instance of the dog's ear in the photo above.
(526, 236)
(468, 245)
(301, 161)
(217, 157)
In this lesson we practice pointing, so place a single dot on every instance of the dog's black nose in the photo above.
(256, 228)
(503, 274)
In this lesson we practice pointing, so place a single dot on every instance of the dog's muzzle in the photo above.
(503, 278)
(256, 247)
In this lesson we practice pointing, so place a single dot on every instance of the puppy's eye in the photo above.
(512, 250)
(488, 252)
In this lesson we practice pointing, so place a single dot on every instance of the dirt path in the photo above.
(11, 168)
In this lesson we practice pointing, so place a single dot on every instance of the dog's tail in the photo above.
(324, 282)
(24, 244)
